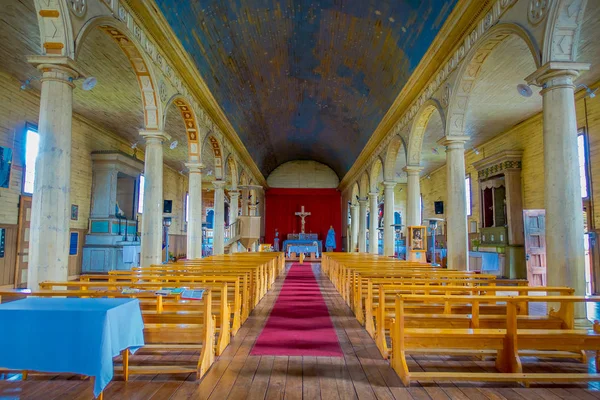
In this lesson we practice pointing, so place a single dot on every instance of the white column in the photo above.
(388, 218)
(245, 195)
(50, 209)
(373, 242)
(354, 226)
(362, 225)
(456, 216)
(234, 204)
(219, 222)
(194, 228)
(152, 217)
(562, 187)
(252, 210)
(413, 209)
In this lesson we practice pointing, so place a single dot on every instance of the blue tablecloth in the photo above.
(303, 249)
(301, 242)
(79, 336)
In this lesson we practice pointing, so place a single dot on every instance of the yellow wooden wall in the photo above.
(17, 107)
(528, 137)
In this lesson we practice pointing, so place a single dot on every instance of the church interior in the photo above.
(292, 199)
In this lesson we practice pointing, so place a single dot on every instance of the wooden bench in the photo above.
(506, 343)
(435, 313)
(170, 324)
(221, 309)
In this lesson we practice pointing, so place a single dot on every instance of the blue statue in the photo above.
(330, 241)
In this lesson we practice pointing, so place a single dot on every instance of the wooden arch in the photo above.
(232, 169)
(418, 128)
(141, 66)
(217, 151)
(561, 38)
(375, 171)
(191, 125)
(391, 155)
(363, 185)
(469, 72)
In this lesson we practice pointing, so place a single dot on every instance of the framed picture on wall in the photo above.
(6, 158)
(417, 237)
(74, 212)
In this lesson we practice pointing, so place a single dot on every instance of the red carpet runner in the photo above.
(299, 324)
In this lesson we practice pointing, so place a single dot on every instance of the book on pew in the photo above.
(169, 291)
(191, 294)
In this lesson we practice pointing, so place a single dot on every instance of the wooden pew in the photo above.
(219, 290)
(505, 342)
(450, 314)
(236, 295)
(170, 324)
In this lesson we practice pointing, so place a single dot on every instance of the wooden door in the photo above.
(535, 246)
(23, 242)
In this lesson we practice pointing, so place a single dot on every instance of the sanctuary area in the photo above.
(294, 199)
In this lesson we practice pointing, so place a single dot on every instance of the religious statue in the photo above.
(302, 214)
(417, 240)
(276, 241)
(330, 241)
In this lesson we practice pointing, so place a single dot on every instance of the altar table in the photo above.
(304, 242)
(72, 335)
(303, 249)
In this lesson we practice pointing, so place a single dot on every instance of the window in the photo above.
(187, 207)
(32, 147)
(141, 195)
(583, 169)
(74, 244)
(468, 193)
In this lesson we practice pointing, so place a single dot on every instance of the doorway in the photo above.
(534, 222)
(23, 242)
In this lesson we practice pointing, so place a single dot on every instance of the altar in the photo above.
(306, 243)
(302, 239)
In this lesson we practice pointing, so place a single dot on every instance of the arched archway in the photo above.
(363, 185)
(419, 127)
(56, 32)
(215, 146)
(191, 125)
(232, 171)
(376, 174)
(561, 38)
(469, 72)
(391, 156)
(153, 112)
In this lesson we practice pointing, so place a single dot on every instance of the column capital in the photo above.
(234, 193)
(353, 206)
(373, 194)
(219, 185)
(154, 136)
(389, 184)
(363, 201)
(454, 141)
(556, 73)
(58, 68)
(194, 168)
(412, 169)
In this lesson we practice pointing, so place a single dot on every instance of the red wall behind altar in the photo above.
(325, 206)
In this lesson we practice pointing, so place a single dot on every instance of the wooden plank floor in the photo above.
(360, 374)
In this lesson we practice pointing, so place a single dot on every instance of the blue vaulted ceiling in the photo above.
(306, 79)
